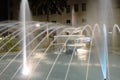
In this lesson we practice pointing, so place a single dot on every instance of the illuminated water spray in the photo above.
(104, 53)
(106, 16)
(24, 16)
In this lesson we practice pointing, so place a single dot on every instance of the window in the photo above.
(53, 21)
(68, 9)
(76, 7)
(83, 6)
(68, 21)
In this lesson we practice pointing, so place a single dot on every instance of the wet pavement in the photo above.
(62, 69)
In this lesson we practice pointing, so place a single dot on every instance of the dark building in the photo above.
(3, 10)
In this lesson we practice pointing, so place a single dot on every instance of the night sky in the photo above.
(3, 10)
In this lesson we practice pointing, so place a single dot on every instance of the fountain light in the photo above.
(37, 25)
(0, 38)
(25, 71)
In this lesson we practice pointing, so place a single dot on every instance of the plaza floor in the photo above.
(77, 70)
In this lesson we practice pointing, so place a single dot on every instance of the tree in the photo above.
(47, 7)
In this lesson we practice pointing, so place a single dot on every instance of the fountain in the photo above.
(51, 51)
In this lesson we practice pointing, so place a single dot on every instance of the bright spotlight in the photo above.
(37, 25)
(0, 38)
(25, 71)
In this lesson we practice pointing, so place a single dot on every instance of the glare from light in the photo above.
(0, 38)
(81, 51)
(37, 25)
(39, 55)
(25, 71)
(82, 54)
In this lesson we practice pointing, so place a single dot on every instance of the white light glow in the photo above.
(0, 38)
(25, 71)
(82, 54)
(37, 25)
(82, 51)
(39, 55)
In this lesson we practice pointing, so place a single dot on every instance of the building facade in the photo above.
(74, 14)
(78, 12)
